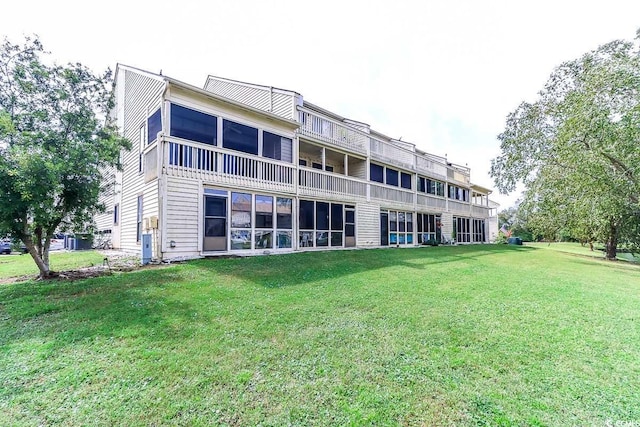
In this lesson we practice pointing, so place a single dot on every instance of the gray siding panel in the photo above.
(182, 218)
(367, 225)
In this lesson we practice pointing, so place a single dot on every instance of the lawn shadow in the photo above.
(291, 269)
(123, 305)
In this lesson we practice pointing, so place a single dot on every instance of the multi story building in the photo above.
(237, 168)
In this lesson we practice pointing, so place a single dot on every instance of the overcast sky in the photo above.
(441, 74)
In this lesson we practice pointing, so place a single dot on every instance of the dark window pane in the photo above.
(284, 221)
(336, 239)
(350, 230)
(328, 168)
(420, 223)
(215, 206)
(392, 177)
(405, 180)
(154, 125)
(283, 211)
(421, 185)
(276, 147)
(302, 162)
(316, 165)
(322, 216)
(214, 227)
(264, 220)
(307, 213)
(322, 238)
(336, 216)
(193, 125)
(376, 173)
(350, 217)
(236, 136)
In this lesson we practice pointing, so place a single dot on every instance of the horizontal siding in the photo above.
(264, 99)
(182, 218)
(104, 221)
(142, 96)
(447, 225)
(367, 225)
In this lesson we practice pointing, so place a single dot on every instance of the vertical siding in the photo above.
(141, 94)
(182, 218)
(367, 224)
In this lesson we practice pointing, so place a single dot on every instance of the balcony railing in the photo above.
(332, 131)
(434, 202)
(319, 184)
(222, 166)
(383, 192)
(480, 211)
(459, 207)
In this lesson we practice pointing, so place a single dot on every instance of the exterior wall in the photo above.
(447, 225)
(265, 98)
(104, 221)
(141, 96)
(367, 225)
(182, 218)
(492, 234)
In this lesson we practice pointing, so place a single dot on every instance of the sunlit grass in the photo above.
(23, 265)
(477, 335)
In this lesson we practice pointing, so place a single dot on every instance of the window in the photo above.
(302, 162)
(239, 137)
(329, 222)
(405, 180)
(316, 165)
(284, 222)
(264, 212)
(154, 125)
(328, 168)
(392, 177)
(461, 229)
(116, 214)
(215, 216)
(241, 210)
(139, 220)
(307, 215)
(142, 134)
(400, 227)
(376, 173)
(276, 147)
(421, 185)
(193, 125)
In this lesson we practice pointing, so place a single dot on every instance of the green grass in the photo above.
(578, 249)
(467, 335)
(23, 265)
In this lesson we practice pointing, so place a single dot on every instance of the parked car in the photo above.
(6, 247)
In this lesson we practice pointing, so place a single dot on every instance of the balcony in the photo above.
(212, 164)
(332, 132)
(317, 183)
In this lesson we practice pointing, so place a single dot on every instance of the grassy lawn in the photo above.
(467, 335)
(578, 249)
(23, 265)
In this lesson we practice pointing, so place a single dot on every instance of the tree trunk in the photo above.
(612, 241)
(42, 266)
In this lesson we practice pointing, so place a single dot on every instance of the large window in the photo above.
(376, 173)
(430, 186)
(154, 125)
(284, 222)
(429, 228)
(241, 221)
(322, 224)
(458, 193)
(236, 136)
(193, 125)
(277, 147)
(263, 236)
(392, 177)
(400, 228)
(461, 229)
(405, 181)
(478, 231)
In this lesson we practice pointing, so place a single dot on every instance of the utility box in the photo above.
(146, 249)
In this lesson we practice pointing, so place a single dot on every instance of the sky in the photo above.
(440, 74)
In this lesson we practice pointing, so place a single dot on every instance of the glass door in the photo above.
(384, 228)
(215, 224)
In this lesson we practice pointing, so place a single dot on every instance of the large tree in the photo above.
(576, 149)
(55, 139)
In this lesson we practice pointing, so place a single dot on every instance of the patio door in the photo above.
(215, 224)
(384, 229)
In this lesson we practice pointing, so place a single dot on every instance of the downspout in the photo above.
(160, 231)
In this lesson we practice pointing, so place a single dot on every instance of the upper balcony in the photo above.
(332, 131)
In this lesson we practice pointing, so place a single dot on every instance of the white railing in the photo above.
(318, 183)
(383, 192)
(430, 167)
(459, 207)
(213, 164)
(389, 153)
(332, 131)
(480, 211)
(432, 201)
